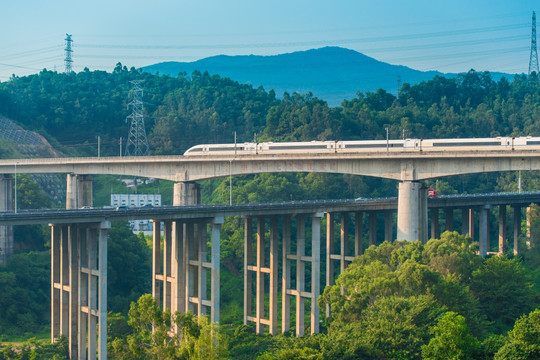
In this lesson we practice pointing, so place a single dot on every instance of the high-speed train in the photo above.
(407, 145)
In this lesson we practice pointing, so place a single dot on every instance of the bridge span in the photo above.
(408, 167)
(182, 258)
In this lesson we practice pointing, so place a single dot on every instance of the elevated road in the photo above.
(73, 216)
(404, 165)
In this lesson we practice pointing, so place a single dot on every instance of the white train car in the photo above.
(327, 147)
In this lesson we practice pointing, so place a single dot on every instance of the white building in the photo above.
(137, 200)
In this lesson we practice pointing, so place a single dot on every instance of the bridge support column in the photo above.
(79, 288)
(372, 228)
(286, 276)
(329, 252)
(344, 242)
(6, 232)
(502, 229)
(484, 231)
(260, 269)
(79, 191)
(248, 258)
(358, 233)
(449, 220)
(435, 232)
(343, 256)
(412, 212)
(186, 193)
(471, 223)
(517, 228)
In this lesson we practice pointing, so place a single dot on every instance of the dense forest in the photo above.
(436, 300)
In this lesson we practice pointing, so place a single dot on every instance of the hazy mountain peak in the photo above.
(331, 73)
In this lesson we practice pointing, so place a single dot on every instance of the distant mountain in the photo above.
(330, 73)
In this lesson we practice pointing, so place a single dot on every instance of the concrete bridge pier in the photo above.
(186, 193)
(180, 269)
(412, 211)
(79, 191)
(79, 288)
(6, 232)
(483, 230)
(517, 228)
(258, 266)
(435, 231)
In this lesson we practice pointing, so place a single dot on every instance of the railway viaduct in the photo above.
(182, 260)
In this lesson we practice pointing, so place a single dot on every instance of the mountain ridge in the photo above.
(330, 73)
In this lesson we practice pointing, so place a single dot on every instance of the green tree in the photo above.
(523, 340)
(504, 290)
(452, 340)
(158, 334)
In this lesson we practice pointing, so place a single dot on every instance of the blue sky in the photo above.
(449, 36)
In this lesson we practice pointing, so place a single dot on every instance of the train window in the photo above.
(221, 149)
(364, 146)
(297, 147)
(476, 143)
(533, 142)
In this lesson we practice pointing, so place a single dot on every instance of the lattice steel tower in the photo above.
(68, 60)
(137, 145)
(533, 62)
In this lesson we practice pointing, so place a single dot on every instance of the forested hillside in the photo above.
(402, 301)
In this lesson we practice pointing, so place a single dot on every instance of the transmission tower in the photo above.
(533, 62)
(68, 60)
(136, 142)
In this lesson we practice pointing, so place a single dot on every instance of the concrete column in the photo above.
(502, 228)
(372, 228)
(191, 266)
(435, 233)
(73, 255)
(102, 302)
(273, 298)
(300, 273)
(412, 212)
(167, 264)
(358, 246)
(84, 294)
(215, 263)
(286, 276)
(484, 229)
(315, 271)
(259, 307)
(329, 252)
(156, 260)
(200, 235)
(388, 227)
(79, 191)
(464, 221)
(64, 281)
(186, 193)
(517, 228)
(471, 223)
(248, 239)
(93, 285)
(6, 232)
(178, 269)
(344, 240)
(449, 220)
(56, 282)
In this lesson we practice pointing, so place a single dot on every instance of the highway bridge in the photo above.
(181, 258)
